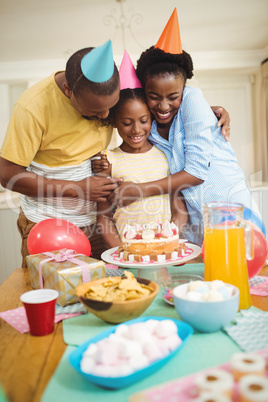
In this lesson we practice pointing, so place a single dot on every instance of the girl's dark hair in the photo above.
(154, 61)
(125, 95)
(78, 82)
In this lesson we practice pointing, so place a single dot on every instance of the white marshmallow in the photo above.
(213, 295)
(194, 285)
(103, 370)
(174, 255)
(145, 258)
(151, 325)
(130, 348)
(91, 350)
(161, 258)
(138, 362)
(122, 330)
(165, 328)
(122, 370)
(87, 364)
(216, 284)
(194, 296)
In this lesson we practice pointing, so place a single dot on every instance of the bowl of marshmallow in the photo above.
(168, 285)
(206, 306)
(128, 352)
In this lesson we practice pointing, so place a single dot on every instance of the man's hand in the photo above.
(224, 120)
(97, 188)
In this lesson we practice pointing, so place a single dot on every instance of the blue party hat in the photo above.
(98, 64)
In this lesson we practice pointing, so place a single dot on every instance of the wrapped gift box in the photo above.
(63, 270)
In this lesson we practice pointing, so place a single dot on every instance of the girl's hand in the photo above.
(224, 120)
(99, 163)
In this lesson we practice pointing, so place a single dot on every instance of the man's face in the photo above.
(93, 106)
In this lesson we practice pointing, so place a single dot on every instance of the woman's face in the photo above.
(164, 96)
(133, 122)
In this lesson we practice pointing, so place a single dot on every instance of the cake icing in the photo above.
(151, 241)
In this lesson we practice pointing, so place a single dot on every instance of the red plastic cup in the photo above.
(40, 307)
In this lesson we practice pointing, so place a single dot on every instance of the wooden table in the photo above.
(26, 362)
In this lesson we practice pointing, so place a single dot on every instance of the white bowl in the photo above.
(206, 316)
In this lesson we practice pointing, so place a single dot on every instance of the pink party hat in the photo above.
(170, 39)
(98, 64)
(127, 74)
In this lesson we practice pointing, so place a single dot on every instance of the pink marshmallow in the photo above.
(172, 342)
(152, 351)
(107, 354)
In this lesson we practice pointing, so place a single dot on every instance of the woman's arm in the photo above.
(179, 213)
(129, 192)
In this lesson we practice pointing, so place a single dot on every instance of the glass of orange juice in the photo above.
(227, 246)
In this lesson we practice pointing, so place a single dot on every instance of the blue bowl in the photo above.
(184, 332)
(206, 316)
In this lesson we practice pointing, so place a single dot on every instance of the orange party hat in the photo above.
(170, 39)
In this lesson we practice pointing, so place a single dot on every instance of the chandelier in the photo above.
(123, 23)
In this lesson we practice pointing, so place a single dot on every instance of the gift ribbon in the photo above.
(65, 255)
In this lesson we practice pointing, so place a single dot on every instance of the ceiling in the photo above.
(54, 29)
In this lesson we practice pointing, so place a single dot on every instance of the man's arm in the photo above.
(17, 178)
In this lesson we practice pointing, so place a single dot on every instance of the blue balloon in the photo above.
(251, 217)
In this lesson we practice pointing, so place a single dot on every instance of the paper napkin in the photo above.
(250, 331)
(258, 286)
(17, 318)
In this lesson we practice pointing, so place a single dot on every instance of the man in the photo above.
(56, 127)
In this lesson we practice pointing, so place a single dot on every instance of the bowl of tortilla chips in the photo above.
(119, 298)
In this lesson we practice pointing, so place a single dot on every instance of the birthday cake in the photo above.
(151, 242)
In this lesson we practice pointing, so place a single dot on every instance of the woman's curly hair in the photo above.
(154, 61)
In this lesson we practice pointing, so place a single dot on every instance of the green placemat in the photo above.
(79, 329)
(194, 269)
(200, 352)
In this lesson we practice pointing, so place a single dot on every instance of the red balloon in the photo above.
(56, 234)
(260, 252)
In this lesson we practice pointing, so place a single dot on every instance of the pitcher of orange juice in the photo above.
(227, 246)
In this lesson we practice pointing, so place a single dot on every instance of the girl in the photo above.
(136, 160)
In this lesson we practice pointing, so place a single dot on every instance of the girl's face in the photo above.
(164, 96)
(133, 122)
